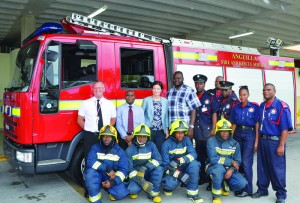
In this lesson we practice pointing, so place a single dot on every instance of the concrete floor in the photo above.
(59, 187)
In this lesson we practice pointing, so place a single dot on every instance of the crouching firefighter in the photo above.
(144, 160)
(179, 160)
(224, 158)
(107, 167)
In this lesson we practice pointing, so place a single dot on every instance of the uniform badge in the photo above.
(206, 101)
(227, 106)
(251, 109)
(273, 111)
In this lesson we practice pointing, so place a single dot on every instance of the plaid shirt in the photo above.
(181, 103)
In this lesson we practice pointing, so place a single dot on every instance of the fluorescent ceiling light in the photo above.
(241, 35)
(97, 12)
(292, 48)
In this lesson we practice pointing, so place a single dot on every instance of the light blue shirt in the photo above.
(122, 118)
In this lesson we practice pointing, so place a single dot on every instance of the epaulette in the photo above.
(211, 93)
(255, 103)
(233, 98)
(284, 105)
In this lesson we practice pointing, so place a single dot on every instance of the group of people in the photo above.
(152, 144)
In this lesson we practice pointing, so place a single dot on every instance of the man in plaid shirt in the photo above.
(183, 102)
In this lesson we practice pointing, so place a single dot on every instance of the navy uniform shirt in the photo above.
(245, 116)
(203, 122)
(274, 118)
(224, 106)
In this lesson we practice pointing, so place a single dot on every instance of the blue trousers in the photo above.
(246, 139)
(271, 168)
(201, 146)
(93, 183)
(158, 137)
(154, 176)
(217, 172)
(192, 169)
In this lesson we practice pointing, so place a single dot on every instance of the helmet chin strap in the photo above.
(141, 144)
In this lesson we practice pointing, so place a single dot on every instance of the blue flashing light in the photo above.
(46, 28)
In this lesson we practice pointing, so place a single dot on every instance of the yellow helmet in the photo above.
(142, 130)
(179, 126)
(108, 130)
(223, 125)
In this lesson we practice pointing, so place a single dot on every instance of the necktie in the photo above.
(130, 120)
(99, 113)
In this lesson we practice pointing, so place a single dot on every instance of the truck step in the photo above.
(50, 162)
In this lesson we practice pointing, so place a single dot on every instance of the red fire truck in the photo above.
(55, 72)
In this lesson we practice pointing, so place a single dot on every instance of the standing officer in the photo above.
(179, 162)
(226, 102)
(205, 123)
(244, 119)
(224, 158)
(107, 167)
(274, 123)
(129, 115)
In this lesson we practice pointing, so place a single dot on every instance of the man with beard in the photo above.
(183, 102)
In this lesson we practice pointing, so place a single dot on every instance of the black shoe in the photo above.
(208, 188)
(258, 195)
(202, 181)
(242, 194)
(86, 194)
(280, 201)
(238, 192)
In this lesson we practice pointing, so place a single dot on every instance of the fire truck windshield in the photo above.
(25, 67)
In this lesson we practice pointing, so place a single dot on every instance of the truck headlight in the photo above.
(25, 157)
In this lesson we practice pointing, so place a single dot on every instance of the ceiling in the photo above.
(203, 20)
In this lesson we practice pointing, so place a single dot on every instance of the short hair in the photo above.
(178, 72)
(244, 87)
(159, 83)
(270, 84)
(129, 91)
(219, 77)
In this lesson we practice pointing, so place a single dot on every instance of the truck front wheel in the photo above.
(77, 166)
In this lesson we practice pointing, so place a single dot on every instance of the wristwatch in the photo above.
(192, 126)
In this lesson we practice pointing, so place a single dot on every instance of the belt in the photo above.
(245, 127)
(95, 133)
(270, 137)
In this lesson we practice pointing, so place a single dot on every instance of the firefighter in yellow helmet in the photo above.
(107, 167)
(224, 158)
(179, 160)
(144, 160)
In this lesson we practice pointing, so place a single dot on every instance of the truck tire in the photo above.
(77, 165)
